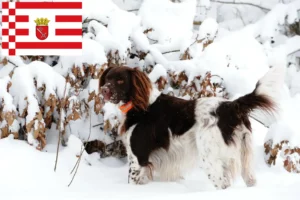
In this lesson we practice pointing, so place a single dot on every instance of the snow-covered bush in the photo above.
(189, 49)
(282, 142)
(8, 117)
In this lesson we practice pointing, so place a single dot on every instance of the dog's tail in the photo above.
(234, 113)
(263, 98)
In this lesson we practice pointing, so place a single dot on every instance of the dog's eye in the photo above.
(120, 81)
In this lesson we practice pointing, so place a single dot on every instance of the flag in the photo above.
(42, 28)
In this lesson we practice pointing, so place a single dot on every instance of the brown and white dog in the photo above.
(169, 136)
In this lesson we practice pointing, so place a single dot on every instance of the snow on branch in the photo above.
(8, 122)
(282, 147)
(36, 89)
(270, 25)
(241, 3)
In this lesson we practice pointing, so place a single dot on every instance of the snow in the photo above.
(128, 4)
(121, 24)
(281, 131)
(103, 36)
(95, 9)
(24, 92)
(246, 42)
(208, 29)
(107, 178)
(234, 65)
(112, 113)
(269, 26)
(5, 98)
(288, 123)
(93, 53)
(166, 18)
(157, 72)
(43, 74)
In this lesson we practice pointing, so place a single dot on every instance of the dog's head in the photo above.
(124, 84)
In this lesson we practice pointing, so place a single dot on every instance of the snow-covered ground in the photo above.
(26, 173)
(245, 41)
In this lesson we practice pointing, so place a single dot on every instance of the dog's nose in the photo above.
(105, 91)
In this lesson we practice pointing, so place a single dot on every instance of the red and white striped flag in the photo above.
(42, 28)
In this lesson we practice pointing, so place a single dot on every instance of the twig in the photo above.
(89, 20)
(97, 125)
(82, 150)
(175, 51)
(155, 41)
(77, 166)
(239, 14)
(241, 3)
(57, 150)
(60, 131)
(12, 63)
(195, 40)
(260, 122)
(133, 10)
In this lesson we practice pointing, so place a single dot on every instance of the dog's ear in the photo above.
(141, 89)
(102, 77)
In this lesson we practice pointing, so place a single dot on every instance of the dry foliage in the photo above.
(199, 87)
(290, 156)
(7, 118)
(114, 58)
(51, 107)
(294, 29)
(75, 106)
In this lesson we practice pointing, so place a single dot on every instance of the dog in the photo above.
(168, 136)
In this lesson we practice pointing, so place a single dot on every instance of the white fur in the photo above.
(272, 82)
(203, 145)
(181, 156)
(271, 85)
(220, 161)
(154, 94)
(137, 174)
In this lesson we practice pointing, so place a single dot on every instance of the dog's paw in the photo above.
(221, 182)
(251, 182)
(137, 178)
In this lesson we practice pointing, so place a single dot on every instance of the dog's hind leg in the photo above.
(211, 148)
(247, 160)
(217, 173)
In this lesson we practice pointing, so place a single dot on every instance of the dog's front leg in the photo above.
(138, 174)
(140, 169)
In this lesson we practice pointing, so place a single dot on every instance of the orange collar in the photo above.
(126, 107)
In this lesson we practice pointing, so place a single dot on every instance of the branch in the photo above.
(239, 14)
(98, 125)
(155, 41)
(174, 51)
(12, 63)
(82, 150)
(133, 10)
(241, 3)
(260, 122)
(76, 166)
(87, 20)
(60, 131)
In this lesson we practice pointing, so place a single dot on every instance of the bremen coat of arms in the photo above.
(41, 29)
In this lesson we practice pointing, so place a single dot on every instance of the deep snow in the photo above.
(238, 57)
(26, 173)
